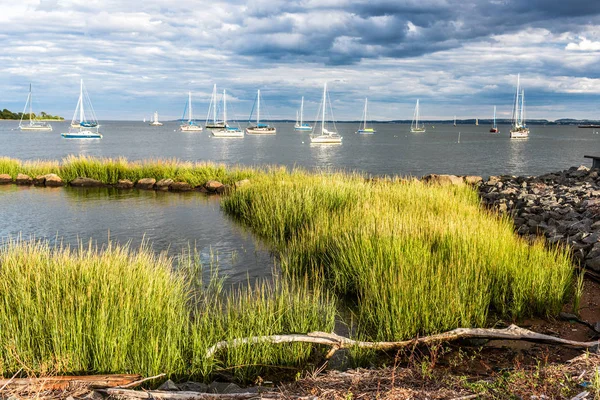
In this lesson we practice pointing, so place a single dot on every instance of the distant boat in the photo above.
(82, 126)
(455, 120)
(226, 131)
(519, 128)
(476, 122)
(144, 119)
(300, 125)
(326, 136)
(494, 128)
(414, 126)
(364, 130)
(212, 109)
(190, 125)
(33, 125)
(155, 121)
(588, 126)
(259, 129)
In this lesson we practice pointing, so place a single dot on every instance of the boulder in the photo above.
(53, 180)
(212, 186)
(85, 182)
(193, 387)
(163, 184)
(124, 184)
(145, 183)
(473, 180)
(201, 189)
(39, 180)
(593, 264)
(23, 179)
(241, 183)
(443, 179)
(168, 386)
(225, 189)
(5, 178)
(224, 388)
(181, 187)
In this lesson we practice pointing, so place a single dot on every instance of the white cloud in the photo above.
(584, 45)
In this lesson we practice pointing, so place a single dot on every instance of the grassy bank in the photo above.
(109, 171)
(414, 259)
(82, 310)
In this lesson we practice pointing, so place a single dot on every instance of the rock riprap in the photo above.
(562, 206)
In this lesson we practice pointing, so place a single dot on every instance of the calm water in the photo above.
(174, 221)
(393, 150)
(167, 221)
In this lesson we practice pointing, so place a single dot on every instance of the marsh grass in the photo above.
(109, 170)
(415, 259)
(116, 310)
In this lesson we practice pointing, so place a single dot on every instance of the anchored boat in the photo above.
(494, 128)
(155, 121)
(364, 130)
(300, 125)
(33, 125)
(259, 129)
(226, 131)
(190, 125)
(212, 109)
(519, 129)
(414, 125)
(325, 136)
(82, 126)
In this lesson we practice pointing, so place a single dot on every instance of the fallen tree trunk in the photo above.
(64, 382)
(157, 394)
(337, 342)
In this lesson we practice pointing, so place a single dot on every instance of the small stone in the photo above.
(5, 178)
(85, 182)
(181, 187)
(163, 184)
(124, 184)
(145, 183)
(53, 180)
(169, 385)
(23, 179)
(212, 186)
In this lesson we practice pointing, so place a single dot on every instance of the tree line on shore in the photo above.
(7, 114)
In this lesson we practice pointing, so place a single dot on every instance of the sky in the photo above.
(458, 57)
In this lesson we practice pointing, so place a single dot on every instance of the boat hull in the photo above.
(156, 124)
(261, 131)
(47, 128)
(81, 135)
(417, 130)
(366, 131)
(326, 139)
(520, 134)
(303, 128)
(215, 126)
(494, 130)
(224, 133)
(190, 128)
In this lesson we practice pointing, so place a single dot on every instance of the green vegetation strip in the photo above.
(82, 310)
(110, 171)
(414, 259)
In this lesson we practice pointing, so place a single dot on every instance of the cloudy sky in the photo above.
(459, 57)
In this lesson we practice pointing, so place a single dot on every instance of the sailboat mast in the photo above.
(522, 115)
(417, 115)
(301, 110)
(30, 105)
(516, 109)
(494, 116)
(258, 107)
(214, 103)
(224, 107)
(190, 106)
(324, 105)
(365, 120)
(81, 101)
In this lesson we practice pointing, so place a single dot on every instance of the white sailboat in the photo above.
(190, 125)
(519, 129)
(155, 121)
(414, 125)
(364, 130)
(82, 126)
(326, 136)
(494, 128)
(300, 125)
(33, 125)
(212, 110)
(260, 129)
(455, 120)
(226, 131)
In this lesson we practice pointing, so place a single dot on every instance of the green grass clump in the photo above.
(109, 171)
(415, 259)
(115, 310)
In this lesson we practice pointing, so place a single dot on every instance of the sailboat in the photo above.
(414, 126)
(155, 121)
(326, 136)
(212, 109)
(300, 125)
(226, 131)
(83, 127)
(364, 130)
(190, 125)
(476, 121)
(519, 129)
(494, 128)
(455, 120)
(259, 129)
(33, 125)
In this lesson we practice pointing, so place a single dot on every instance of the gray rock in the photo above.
(593, 264)
(124, 184)
(212, 186)
(193, 387)
(224, 388)
(53, 180)
(85, 182)
(169, 386)
(145, 183)
(23, 179)
(181, 187)
(163, 184)
(5, 178)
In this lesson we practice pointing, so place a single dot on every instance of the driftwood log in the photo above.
(158, 394)
(65, 382)
(337, 342)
